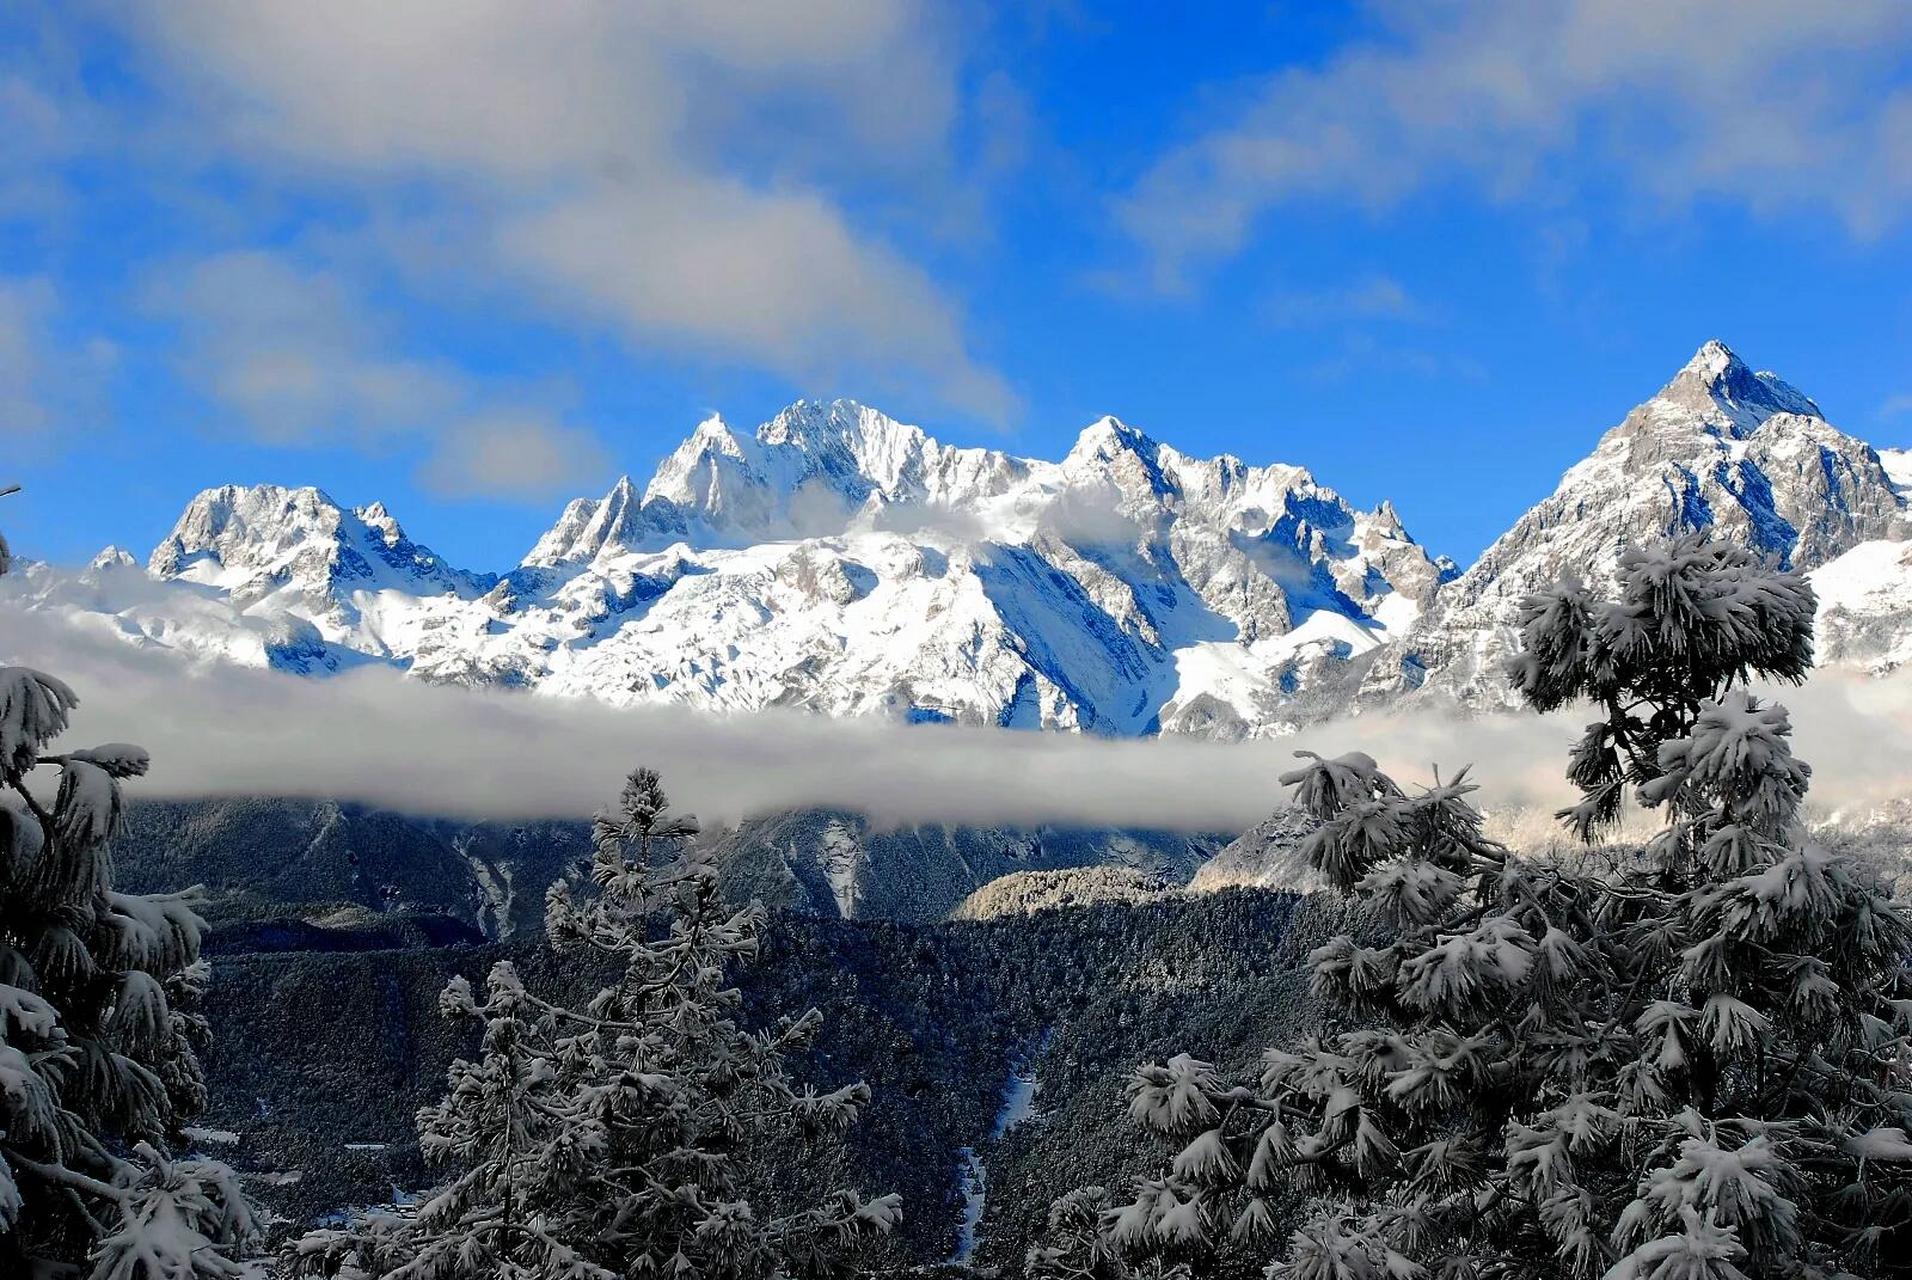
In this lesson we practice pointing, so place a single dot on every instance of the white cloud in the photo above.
(519, 453)
(49, 389)
(375, 736)
(716, 267)
(292, 354)
(1360, 354)
(673, 168)
(1772, 103)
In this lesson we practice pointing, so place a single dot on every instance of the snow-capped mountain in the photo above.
(840, 561)
(834, 560)
(1719, 448)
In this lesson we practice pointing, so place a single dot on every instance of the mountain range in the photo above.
(839, 561)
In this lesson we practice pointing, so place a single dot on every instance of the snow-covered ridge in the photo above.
(837, 560)
(833, 559)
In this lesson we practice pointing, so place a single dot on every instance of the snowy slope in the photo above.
(840, 561)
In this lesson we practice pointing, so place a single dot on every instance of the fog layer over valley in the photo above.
(372, 736)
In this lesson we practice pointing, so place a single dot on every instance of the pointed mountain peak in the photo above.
(247, 519)
(712, 431)
(815, 426)
(799, 422)
(1110, 451)
(382, 522)
(1713, 360)
(1388, 519)
(260, 538)
(1108, 435)
(112, 559)
(1719, 393)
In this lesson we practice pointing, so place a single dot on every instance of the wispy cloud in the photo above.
(1373, 297)
(1362, 353)
(1520, 100)
(293, 354)
(48, 384)
(520, 452)
(1894, 406)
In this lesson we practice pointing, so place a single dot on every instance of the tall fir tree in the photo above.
(98, 1069)
(1694, 1066)
(629, 1137)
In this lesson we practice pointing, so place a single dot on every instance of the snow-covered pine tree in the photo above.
(629, 1137)
(1695, 1066)
(97, 1029)
(1074, 1245)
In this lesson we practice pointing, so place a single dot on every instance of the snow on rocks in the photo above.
(834, 560)
(839, 561)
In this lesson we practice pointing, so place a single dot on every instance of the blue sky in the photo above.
(474, 260)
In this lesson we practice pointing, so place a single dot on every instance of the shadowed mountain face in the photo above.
(837, 864)
(841, 562)
(346, 865)
(318, 860)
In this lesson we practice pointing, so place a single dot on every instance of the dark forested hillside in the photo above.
(272, 857)
(267, 857)
(320, 1057)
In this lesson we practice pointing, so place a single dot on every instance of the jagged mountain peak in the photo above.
(839, 560)
(112, 559)
(261, 540)
(376, 517)
(588, 527)
(1110, 432)
(251, 520)
(821, 424)
(1111, 452)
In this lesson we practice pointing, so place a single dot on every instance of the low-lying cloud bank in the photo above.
(376, 737)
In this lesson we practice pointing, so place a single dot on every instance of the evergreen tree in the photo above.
(97, 1028)
(629, 1137)
(1075, 1246)
(1694, 1066)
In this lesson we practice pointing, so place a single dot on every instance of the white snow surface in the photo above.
(833, 560)
(1865, 606)
(839, 561)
